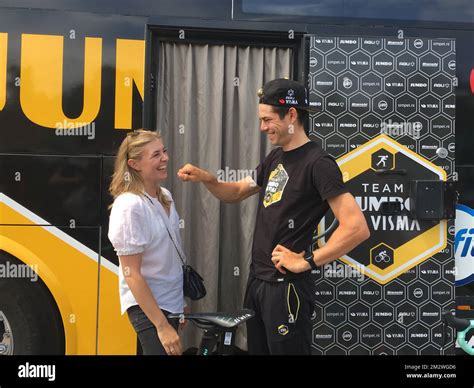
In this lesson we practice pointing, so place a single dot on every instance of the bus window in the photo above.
(460, 11)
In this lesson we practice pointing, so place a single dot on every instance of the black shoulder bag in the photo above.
(193, 283)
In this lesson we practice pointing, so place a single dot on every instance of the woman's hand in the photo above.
(170, 340)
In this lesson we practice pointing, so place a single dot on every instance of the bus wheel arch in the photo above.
(30, 319)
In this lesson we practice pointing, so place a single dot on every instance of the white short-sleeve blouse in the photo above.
(137, 225)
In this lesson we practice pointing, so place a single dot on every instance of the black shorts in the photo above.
(282, 322)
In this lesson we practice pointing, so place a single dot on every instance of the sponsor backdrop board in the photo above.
(387, 116)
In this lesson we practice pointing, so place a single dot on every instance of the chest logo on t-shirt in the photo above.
(275, 186)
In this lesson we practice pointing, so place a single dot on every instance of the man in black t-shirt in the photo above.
(297, 183)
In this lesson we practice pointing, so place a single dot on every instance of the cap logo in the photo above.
(290, 98)
(281, 101)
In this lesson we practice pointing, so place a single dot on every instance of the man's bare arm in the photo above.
(352, 229)
(229, 192)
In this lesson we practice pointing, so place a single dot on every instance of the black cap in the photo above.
(285, 93)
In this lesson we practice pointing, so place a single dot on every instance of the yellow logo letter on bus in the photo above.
(130, 65)
(42, 75)
(3, 69)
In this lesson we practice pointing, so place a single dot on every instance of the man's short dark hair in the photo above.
(303, 115)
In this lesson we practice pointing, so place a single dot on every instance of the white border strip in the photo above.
(58, 233)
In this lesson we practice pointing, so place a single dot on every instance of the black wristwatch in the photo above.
(309, 257)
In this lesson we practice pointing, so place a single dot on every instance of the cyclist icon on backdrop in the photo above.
(382, 257)
(297, 181)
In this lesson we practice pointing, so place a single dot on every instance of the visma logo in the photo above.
(464, 245)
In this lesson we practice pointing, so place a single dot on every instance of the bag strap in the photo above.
(169, 233)
(177, 250)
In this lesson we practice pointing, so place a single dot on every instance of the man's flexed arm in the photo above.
(352, 230)
(225, 191)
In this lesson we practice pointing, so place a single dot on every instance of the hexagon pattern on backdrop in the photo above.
(403, 88)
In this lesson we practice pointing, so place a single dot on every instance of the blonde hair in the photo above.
(126, 179)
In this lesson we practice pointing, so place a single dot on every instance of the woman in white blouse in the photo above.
(144, 230)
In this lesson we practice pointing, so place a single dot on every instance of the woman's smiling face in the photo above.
(153, 162)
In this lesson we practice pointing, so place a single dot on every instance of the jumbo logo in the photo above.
(41, 75)
(464, 245)
(379, 172)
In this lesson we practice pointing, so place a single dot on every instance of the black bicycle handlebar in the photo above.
(453, 321)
